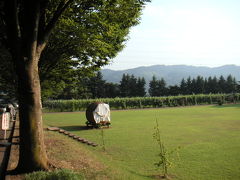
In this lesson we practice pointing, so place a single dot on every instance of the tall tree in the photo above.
(206, 91)
(215, 85)
(133, 86)
(157, 87)
(208, 85)
(153, 87)
(128, 86)
(141, 91)
(183, 86)
(162, 90)
(26, 27)
(96, 85)
(124, 85)
(173, 90)
(221, 84)
(230, 85)
(189, 88)
(199, 85)
(111, 90)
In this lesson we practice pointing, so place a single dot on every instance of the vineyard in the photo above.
(141, 102)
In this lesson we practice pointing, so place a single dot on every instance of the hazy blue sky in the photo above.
(192, 32)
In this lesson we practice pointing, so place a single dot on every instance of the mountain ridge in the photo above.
(172, 74)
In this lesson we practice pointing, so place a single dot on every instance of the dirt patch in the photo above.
(60, 147)
(63, 152)
(14, 155)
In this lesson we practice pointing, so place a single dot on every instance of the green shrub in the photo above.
(220, 102)
(54, 175)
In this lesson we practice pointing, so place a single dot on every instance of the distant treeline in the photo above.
(198, 85)
(131, 86)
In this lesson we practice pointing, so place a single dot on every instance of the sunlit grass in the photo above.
(208, 136)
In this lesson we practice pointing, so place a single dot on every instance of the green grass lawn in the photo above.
(209, 137)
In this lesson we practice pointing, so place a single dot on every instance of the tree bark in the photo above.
(26, 53)
(27, 35)
(32, 149)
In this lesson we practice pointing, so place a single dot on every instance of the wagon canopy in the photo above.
(102, 113)
(98, 113)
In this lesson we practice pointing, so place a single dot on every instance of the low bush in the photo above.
(141, 102)
(62, 174)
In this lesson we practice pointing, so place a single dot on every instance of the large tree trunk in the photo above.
(32, 154)
(32, 150)
(27, 35)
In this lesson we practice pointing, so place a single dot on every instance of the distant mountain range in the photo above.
(172, 74)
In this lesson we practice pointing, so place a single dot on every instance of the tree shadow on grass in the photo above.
(76, 128)
(226, 106)
(139, 174)
(155, 176)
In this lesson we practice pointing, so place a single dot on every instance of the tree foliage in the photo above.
(197, 85)
(130, 86)
(95, 86)
(52, 39)
(157, 87)
(87, 36)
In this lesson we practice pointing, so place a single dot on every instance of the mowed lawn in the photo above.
(208, 136)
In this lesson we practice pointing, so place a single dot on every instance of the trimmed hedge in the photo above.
(141, 102)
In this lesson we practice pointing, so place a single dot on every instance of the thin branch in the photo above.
(49, 28)
(42, 20)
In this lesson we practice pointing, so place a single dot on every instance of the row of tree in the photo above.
(93, 86)
(198, 85)
(131, 86)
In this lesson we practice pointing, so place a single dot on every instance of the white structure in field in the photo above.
(5, 121)
(102, 113)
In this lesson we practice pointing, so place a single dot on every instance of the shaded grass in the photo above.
(208, 136)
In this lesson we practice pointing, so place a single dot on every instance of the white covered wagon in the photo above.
(98, 114)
